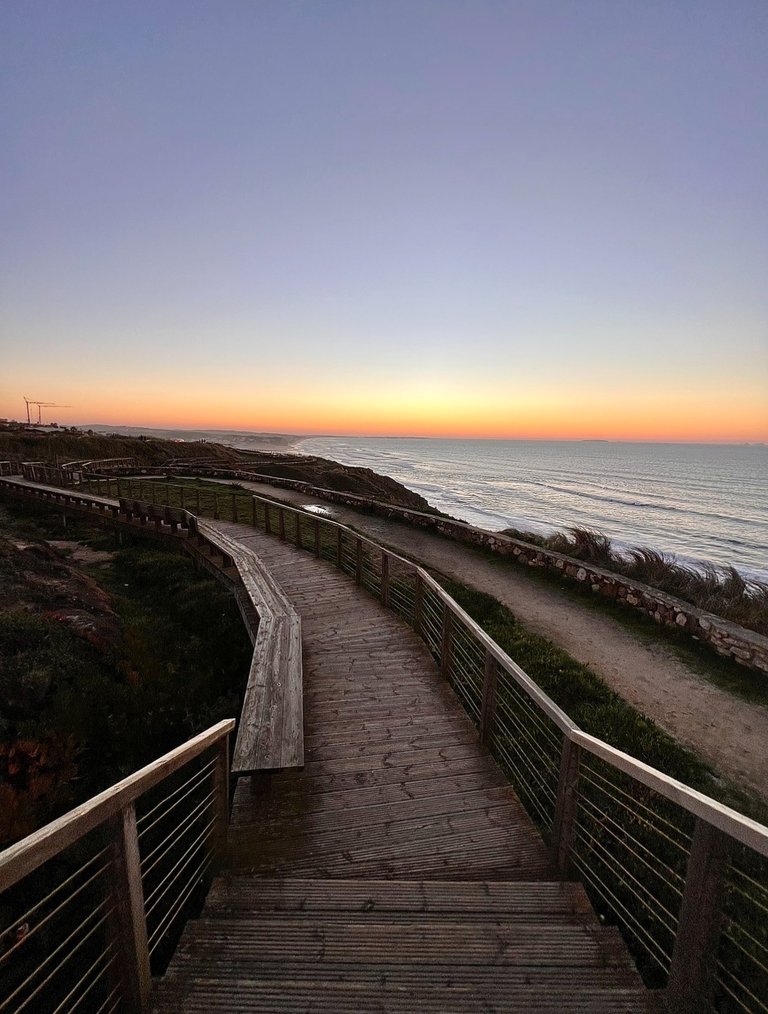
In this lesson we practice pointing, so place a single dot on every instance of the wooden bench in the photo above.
(271, 732)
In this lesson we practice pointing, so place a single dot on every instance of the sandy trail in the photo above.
(730, 733)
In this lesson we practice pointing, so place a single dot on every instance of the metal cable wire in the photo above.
(197, 778)
(174, 910)
(626, 878)
(652, 911)
(156, 895)
(754, 884)
(521, 701)
(51, 894)
(749, 898)
(740, 947)
(622, 835)
(179, 831)
(652, 948)
(759, 1005)
(535, 774)
(51, 915)
(518, 733)
(111, 1000)
(53, 954)
(82, 979)
(587, 765)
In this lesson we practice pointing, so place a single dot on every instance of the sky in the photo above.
(532, 218)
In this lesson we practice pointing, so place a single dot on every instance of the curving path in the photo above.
(397, 870)
(727, 731)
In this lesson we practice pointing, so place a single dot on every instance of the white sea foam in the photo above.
(697, 502)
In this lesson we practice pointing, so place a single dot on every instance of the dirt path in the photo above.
(730, 733)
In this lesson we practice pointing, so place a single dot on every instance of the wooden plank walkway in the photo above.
(396, 871)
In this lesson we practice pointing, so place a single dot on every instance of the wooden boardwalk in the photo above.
(396, 871)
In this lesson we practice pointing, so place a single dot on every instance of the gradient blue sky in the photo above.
(513, 219)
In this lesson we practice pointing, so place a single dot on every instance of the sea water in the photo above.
(699, 502)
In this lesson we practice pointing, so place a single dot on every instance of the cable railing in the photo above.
(685, 877)
(94, 902)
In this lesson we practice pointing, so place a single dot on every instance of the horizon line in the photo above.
(305, 435)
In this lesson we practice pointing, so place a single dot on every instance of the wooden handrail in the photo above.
(742, 829)
(25, 856)
(123, 887)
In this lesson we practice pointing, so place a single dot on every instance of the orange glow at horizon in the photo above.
(711, 416)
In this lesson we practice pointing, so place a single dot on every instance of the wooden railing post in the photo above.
(221, 801)
(566, 805)
(359, 562)
(129, 919)
(446, 642)
(267, 521)
(488, 706)
(281, 517)
(317, 538)
(339, 555)
(692, 972)
(418, 603)
(384, 577)
(298, 530)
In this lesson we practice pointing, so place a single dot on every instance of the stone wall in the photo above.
(729, 639)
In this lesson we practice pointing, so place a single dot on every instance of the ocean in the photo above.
(699, 502)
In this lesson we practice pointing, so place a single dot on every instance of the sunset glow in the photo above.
(520, 220)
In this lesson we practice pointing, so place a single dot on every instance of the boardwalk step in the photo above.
(248, 996)
(313, 945)
(280, 941)
(245, 897)
(388, 946)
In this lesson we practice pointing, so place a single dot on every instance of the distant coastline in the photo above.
(698, 502)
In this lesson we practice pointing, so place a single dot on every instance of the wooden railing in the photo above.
(92, 903)
(684, 876)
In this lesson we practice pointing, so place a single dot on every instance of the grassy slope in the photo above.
(594, 706)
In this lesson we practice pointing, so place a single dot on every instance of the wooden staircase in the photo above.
(347, 946)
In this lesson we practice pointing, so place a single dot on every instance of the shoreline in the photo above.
(478, 513)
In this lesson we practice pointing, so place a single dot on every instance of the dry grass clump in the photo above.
(723, 591)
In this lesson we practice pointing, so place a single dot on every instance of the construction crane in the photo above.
(40, 406)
